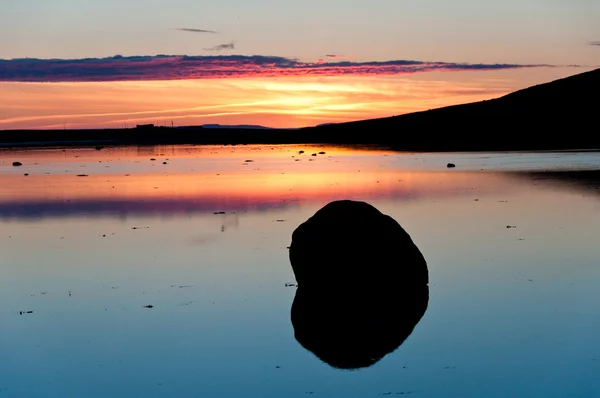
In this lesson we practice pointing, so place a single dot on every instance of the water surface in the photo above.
(89, 238)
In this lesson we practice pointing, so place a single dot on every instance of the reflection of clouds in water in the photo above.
(204, 180)
(123, 209)
(235, 199)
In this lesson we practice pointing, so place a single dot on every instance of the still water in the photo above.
(90, 238)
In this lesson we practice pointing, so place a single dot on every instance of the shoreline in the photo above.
(23, 139)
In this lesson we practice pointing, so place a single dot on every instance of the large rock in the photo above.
(353, 243)
(362, 284)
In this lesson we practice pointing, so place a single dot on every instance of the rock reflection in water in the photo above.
(362, 284)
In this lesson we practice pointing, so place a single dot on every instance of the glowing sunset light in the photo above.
(273, 102)
(220, 174)
(286, 64)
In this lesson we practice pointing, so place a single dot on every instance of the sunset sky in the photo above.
(115, 63)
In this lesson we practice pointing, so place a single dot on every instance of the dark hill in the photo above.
(562, 114)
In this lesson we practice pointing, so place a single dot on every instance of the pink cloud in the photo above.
(169, 67)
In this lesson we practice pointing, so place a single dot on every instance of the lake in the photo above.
(90, 238)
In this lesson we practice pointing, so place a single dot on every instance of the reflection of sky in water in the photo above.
(512, 312)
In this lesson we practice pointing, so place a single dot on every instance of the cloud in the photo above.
(226, 46)
(195, 30)
(595, 43)
(177, 67)
(334, 56)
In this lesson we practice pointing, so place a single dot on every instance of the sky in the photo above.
(115, 63)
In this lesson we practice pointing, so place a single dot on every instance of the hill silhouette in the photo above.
(556, 115)
(559, 115)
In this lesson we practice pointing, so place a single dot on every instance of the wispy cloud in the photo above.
(336, 56)
(595, 43)
(195, 30)
(220, 47)
(177, 67)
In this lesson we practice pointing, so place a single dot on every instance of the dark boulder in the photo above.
(362, 284)
(353, 243)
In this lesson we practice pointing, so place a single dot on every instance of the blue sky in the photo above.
(526, 31)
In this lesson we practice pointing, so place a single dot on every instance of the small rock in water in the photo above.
(152, 159)
(165, 163)
(314, 154)
(219, 212)
(321, 153)
(300, 152)
(26, 174)
(248, 161)
(511, 226)
(451, 165)
(148, 306)
(17, 164)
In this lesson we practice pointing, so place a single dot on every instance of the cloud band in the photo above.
(171, 67)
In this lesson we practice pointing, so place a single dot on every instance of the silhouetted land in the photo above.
(558, 115)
